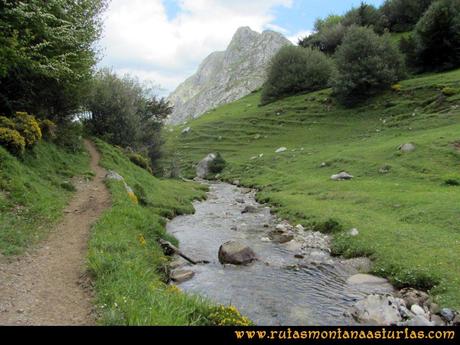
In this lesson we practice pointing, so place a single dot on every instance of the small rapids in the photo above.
(279, 289)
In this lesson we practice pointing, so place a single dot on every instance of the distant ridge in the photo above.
(226, 76)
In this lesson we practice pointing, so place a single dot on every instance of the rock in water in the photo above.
(281, 236)
(249, 209)
(180, 276)
(378, 309)
(342, 176)
(202, 169)
(224, 77)
(236, 253)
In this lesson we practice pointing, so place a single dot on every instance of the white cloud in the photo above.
(140, 38)
(301, 34)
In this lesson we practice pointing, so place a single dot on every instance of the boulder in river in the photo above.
(380, 310)
(412, 296)
(249, 209)
(202, 168)
(281, 236)
(236, 253)
(341, 176)
(180, 276)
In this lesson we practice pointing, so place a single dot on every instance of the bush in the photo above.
(366, 64)
(294, 70)
(140, 161)
(69, 137)
(12, 141)
(48, 129)
(437, 36)
(218, 164)
(28, 126)
(6, 122)
(327, 40)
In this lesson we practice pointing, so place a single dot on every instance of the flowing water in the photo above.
(278, 289)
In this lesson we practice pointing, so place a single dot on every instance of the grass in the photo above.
(128, 265)
(33, 193)
(408, 213)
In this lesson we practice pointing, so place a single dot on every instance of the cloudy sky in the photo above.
(164, 41)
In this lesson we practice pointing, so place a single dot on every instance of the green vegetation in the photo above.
(125, 113)
(366, 65)
(128, 264)
(47, 55)
(33, 192)
(437, 37)
(405, 205)
(294, 70)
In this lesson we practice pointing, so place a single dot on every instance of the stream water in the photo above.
(279, 289)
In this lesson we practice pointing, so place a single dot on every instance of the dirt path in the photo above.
(48, 285)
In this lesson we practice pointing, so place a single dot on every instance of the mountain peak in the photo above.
(227, 76)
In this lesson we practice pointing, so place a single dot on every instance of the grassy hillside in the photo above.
(127, 263)
(33, 192)
(405, 205)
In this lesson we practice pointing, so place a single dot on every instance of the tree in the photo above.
(364, 15)
(403, 15)
(47, 54)
(366, 64)
(294, 70)
(437, 36)
(124, 113)
(327, 39)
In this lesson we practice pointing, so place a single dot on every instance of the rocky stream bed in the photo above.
(287, 275)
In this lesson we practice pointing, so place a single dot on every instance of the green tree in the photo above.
(366, 64)
(437, 36)
(47, 54)
(403, 15)
(294, 70)
(124, 113)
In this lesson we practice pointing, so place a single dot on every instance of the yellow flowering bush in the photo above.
(28, 126)
(449, 91)
(228, 316)
(48, 129)
(7, 123)
(12, 140)
(396, 87)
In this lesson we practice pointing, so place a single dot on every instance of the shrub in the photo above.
(437, 36)
(218, 164)
(48, 129)
(12, 141)
(69, 137)
(366, 64)
(6, 122)
(28, 126)
(449, 91)
(294, 70)
(327, 40)
(140, 161)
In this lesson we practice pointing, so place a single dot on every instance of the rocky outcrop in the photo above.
(203, 167)
(224, 77)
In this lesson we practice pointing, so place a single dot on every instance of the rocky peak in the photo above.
(226, 76)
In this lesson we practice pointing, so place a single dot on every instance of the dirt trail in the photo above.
(48, 285)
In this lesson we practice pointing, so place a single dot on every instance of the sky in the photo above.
(164, 41)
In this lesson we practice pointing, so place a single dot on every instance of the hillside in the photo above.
(405, 205)
(226, 76)
(34, 191)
